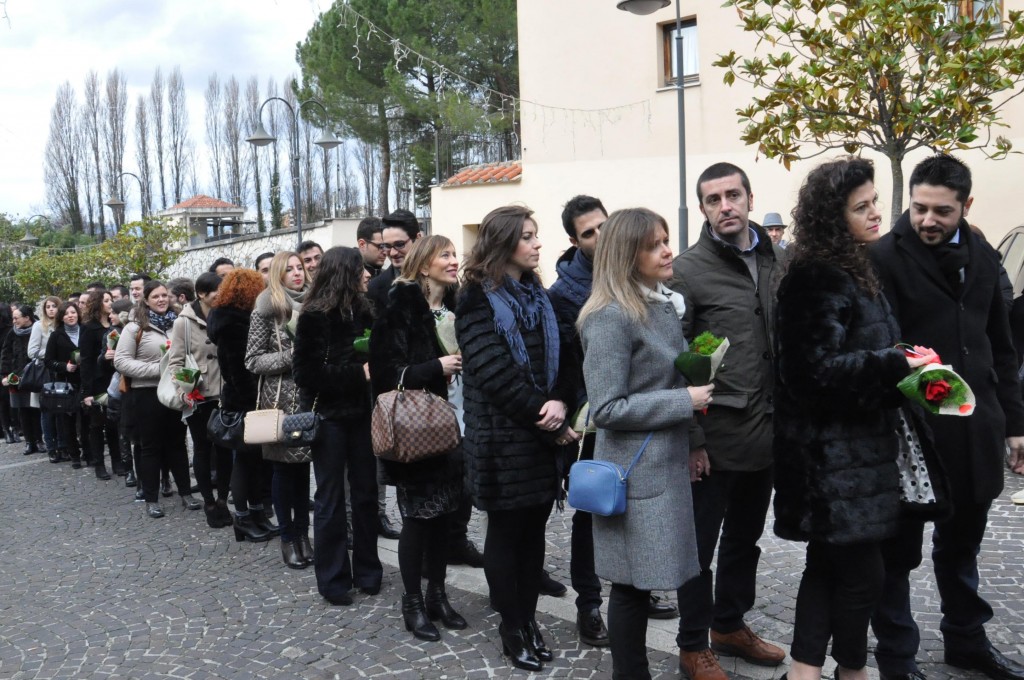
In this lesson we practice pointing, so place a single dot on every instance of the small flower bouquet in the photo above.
(166, 346)
(75, 356)
(362, 344)
(112, 337)
(700, 364)
(581, 422)
(187, 380)
(446, 334)
(937, 387)
(289, 328)
(13, 380)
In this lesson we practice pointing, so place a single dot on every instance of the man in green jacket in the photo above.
(729, 280)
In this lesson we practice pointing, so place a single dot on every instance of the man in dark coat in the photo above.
(400, 229)
(943, 283)
(371, 245)
(729, 280)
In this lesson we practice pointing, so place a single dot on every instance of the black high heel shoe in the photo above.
(513, 645)
(260, 519)
(535, 641)
(290, 555)
(414, 614)
(305, 548)
(246, 530)
(438, 607)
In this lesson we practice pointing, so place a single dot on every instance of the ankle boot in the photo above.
(213, 519)
(535, 641)
(101, 472)
(76, 460)
(513, 644)
(54, 455)
(130, 480)
(246, 530)
(259, 518)
(224, 514)
(12, 436)
(305, 549)
(290, 555)
(416, 621)
(438, 607)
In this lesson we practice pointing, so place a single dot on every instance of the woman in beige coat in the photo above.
(269, 356)
(188, 337)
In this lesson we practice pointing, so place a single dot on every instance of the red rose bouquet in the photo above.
(936, 386)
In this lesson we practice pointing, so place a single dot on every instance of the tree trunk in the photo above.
(385, 161)
(896, 207)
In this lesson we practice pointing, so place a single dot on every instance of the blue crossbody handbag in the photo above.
(598, 486)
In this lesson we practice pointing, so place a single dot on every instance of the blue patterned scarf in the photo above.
(522, 305)
(162, 321)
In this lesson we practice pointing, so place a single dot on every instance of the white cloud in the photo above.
(52, 41)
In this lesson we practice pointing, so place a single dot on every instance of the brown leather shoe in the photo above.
(747, 646)
(702, 665)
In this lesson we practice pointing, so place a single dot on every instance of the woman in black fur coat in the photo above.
(405, 344)
(518, 398)
(836, 480)
(63, 366)
(335, 382)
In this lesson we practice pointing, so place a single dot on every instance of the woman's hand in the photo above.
(366, 371)
(451, 365)
(88, 401)
(567, 436)
(552, 416)
(109, 355)
(700, 396)
(917, 361)
(699, 464)
(4, 381)
(72, 367)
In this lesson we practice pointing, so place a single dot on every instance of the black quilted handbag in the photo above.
(59, 397)
(226, 428)
(300, 429)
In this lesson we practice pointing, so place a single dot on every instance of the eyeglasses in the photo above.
(378, 246)
(396, 245)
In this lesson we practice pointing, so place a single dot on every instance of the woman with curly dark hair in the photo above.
(835, 447)
(96, 374)
(227, 325)
(334, 381)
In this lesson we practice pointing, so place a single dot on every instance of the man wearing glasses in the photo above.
(371, 245)
(399, 229)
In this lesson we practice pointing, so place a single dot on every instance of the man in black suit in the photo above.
(943, 283)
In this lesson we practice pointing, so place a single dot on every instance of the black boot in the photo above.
(513, 644)
(165, 487)
(535, 641)
(305, 548)
(290, 555)
(259, 518)
(31, 448)
(101, 472)
(225, 514)
(213, 518)
(438, 607)
(54, 455)
(76, 460)
(246, 530)
(416, 620)
(129, 479)
(12, 436)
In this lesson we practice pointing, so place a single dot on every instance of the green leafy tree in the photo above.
(888, 75)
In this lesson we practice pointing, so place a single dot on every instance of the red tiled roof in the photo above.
(202, 202)
(486, 173)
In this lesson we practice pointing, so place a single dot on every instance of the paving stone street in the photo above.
(91, 588)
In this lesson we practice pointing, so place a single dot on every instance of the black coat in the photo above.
(970, 330)
(14, 353)
(58, 353)
(835, 443)
(405, 337)
(228, 328)
(96, 370)
(377, 290)
(327, 369)
(510, 462)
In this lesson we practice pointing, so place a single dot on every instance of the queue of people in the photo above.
(805, 406)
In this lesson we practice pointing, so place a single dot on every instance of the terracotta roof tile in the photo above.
(486, 173)
(202, 202)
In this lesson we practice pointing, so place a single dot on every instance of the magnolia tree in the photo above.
(888, 75)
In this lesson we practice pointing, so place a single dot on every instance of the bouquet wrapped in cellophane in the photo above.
(703, 359)
(936, 386)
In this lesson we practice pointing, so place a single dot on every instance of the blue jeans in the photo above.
(49, 427)
(344, 447)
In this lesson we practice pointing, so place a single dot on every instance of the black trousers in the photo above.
(344, 447)
(290, 491)
(163, 443)
(627, 632)
(206, 455)
(423, 538)
(581, 557)
(99, 430)
(514, 561)
(31, 428)
(956, 543)
(67, 434)
(840, 588)
(729, 509)
(249, 474)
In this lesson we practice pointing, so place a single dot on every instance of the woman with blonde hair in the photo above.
(519, 388)
(406, 346)
(41, 330)
(632, 332)
(269, 355)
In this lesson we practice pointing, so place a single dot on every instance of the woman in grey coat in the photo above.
(631, 333)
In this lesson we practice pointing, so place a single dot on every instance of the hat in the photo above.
(401, 218)
(773, 220)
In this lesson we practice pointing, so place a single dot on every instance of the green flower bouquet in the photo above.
(704, 358)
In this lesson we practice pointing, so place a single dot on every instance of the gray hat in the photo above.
(773, 220)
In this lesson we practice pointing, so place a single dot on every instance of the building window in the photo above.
(989, 11)
(691, 64)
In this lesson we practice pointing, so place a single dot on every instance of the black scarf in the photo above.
(951, 258)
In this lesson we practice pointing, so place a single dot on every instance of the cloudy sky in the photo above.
(46, 42)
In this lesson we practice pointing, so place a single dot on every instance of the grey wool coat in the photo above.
(634, 389)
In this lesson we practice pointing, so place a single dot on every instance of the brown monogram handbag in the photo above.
(410, 425)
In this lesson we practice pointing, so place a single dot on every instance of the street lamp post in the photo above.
(260, 137)
(647, 7)
(116, 204)
(28, 240)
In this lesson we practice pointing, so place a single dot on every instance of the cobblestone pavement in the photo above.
(91, 588)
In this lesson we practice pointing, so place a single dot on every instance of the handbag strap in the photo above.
(586, 422)
(639, 453)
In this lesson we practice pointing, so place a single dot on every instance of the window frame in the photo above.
(668, 49)
(965, 9)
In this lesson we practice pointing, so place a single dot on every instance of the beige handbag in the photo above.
(263, 426)
(411, 425)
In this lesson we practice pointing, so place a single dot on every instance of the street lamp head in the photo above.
(642, 6)
(28, 239)
(115, 204)
(260, 137)
(328, 140)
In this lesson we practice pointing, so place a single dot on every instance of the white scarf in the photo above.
(665, 294)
